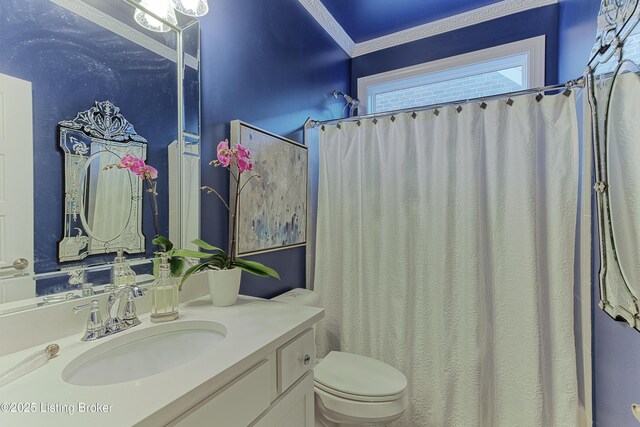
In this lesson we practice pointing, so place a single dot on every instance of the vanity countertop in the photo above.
(254, 328)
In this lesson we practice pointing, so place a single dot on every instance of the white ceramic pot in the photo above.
(224, 286)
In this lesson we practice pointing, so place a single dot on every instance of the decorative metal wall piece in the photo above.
(616, 20)
(272, 210)
(614, 91)
(102, 209)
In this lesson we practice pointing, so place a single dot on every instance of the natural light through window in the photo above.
(502, 69)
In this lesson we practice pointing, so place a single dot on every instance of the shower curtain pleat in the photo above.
(445, 247)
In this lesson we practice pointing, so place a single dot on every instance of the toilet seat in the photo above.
(360, 378)
(356, 397)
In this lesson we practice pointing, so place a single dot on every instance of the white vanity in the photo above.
(256, 371)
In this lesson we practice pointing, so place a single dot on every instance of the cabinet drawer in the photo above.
(295, 358)
(235, 405)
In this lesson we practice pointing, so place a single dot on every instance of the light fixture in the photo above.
(191, 7)
(161, 8)
(166, 10)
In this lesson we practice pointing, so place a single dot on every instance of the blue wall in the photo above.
(272, 65)
(615, 346)
(71, 63)
(511, 28)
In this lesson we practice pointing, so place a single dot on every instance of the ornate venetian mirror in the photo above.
(102, 204)
(614, 92)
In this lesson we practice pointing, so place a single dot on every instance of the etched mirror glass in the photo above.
(623, 158)
(614, 89)
(102, 202)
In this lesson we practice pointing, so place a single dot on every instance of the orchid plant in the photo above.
(148, 174)
(237, 160)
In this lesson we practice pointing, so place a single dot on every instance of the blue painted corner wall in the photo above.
(615, 346)
(272, 65)
(520, 26)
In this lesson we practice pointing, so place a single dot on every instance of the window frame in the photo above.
(528, 53)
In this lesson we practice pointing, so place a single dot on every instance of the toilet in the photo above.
(351, 389)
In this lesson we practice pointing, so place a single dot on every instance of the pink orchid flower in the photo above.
(132, 163)
(224, 153)
(147, 172)
(244, 164)
(243, 152)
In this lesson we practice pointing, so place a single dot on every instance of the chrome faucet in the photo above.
(95, 327)
(118, 320)
(122, 318)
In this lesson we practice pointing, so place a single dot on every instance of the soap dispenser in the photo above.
(121, 272)
(164, 294)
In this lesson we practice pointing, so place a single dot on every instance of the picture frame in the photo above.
(272, 207)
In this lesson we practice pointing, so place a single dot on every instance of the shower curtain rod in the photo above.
(568, 85)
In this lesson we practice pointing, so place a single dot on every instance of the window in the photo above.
(507, 68)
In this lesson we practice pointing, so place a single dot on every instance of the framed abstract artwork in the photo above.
(272, 209)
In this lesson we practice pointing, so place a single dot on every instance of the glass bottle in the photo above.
(164, 294)
(121, 272)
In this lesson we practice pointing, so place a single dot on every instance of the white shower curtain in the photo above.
(445, 247)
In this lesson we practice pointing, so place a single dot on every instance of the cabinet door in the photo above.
(236, 405)
(293, 409)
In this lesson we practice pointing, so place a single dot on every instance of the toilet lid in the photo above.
(359, 375)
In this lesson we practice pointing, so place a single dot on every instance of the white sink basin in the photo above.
(141, 353)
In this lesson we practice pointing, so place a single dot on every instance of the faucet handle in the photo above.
(124, 317)
(130, 317)
(95, 327)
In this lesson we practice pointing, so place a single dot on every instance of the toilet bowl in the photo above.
(351, 389)
(356, 390)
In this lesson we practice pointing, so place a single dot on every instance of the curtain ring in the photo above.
(414, 115)
(483, 105)
(436, 112)
(539, 97)
(509, 102)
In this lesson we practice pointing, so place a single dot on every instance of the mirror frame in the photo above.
(101, 126)
(616, 21)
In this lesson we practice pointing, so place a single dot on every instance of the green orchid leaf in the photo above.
(204, 245)
(177, 265)
(192, 254)
(256, 268)
(218, 261)
(163, 242)
(190, 271)
(252, 271)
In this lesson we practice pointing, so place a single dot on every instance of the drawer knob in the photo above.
(306, 359)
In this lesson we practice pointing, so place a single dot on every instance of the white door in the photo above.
(16, 187)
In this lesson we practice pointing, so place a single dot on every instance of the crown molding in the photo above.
(473, 17)
(476, 16)
(330, 25)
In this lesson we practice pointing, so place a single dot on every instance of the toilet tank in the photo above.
(299, 296)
